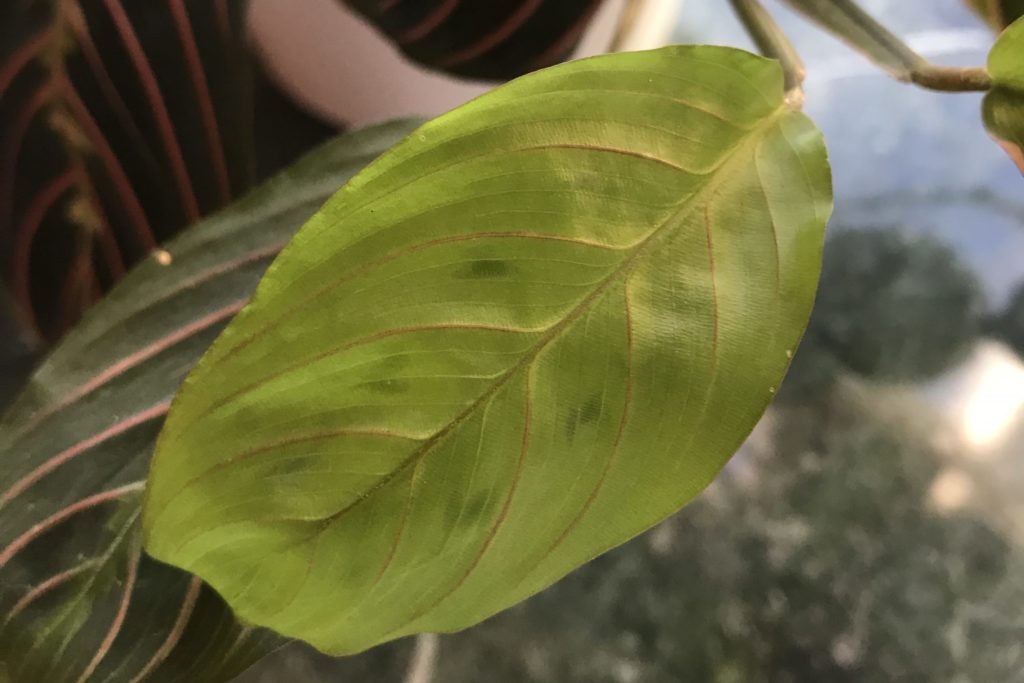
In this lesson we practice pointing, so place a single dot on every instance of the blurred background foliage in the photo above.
(1009, 325)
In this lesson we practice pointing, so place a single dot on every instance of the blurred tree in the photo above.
(892, 305)
(1009, 325)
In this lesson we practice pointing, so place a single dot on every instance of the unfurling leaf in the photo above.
(78, 600)
(1003, 109)
(529, 332)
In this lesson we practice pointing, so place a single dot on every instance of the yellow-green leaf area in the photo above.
(532, 330)
(1003, 108)
(1006, 59)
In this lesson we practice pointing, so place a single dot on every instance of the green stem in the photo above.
(773, 42)
(952, 78)
(857, 28)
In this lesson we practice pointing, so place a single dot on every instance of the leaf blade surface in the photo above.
(531, 331)
(1003, 107)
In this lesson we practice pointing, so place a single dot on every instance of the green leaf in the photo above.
(1003, 108)
(498, 39)
(76, 594)
(529, 332)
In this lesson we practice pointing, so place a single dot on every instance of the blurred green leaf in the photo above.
(1003, 108)
(78, 600)
(531, 331)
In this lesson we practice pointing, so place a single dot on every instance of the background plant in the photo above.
(211, 330)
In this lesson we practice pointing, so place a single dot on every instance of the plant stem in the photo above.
(951, 78)
(423, 664)
(845, 19)
(627, 20)
(773, 42)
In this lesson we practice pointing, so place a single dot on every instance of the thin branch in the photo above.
(423, 663)
(627, 21)
(773, 42)
(846, 20)
(951, 78)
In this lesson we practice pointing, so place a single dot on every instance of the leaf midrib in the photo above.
(628, 264)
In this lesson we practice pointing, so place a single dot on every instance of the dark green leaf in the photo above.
(498, 39)
(76, 594)
(529, 332)
(1003, 109)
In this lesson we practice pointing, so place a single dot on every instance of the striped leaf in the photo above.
(1003, 108)
(78, 600)
(121, 122)
(497, 39)
(105, 117)
(529, 332)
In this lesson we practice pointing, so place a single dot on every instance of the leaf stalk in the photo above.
(772, 41)
(846, 20)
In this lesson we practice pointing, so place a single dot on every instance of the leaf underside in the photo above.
(529, 332)
(1003, 108)
(79, 602)
(497, 40)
